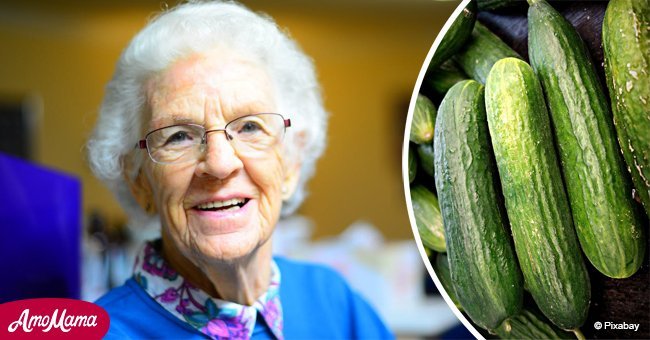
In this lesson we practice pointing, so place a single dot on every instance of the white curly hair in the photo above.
(197, 27)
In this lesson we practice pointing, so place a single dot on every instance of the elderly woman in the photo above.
(212, 125)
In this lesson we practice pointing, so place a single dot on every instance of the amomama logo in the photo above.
(52, 318)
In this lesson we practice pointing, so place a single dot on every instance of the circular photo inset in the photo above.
(526, 164)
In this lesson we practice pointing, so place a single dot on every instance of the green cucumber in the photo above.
(598, 185)
(537, 205)
(427, 218)
(425, 153)
(413, 164)
(441, 267)
(456, 36)
(626, 47)
(423, 117)
(483, 49)
(528, 325)
(444, 77)
(484, 269)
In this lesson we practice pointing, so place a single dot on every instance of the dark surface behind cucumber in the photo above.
(586, 16)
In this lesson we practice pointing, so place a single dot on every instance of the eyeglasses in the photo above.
(250, 135)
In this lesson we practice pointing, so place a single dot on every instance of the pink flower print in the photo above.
(271, 310)
(217, 327)
(155, 265)
(227, 328)
(237, 328)
(182, 307)
(170, 295)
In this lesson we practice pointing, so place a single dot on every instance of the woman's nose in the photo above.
(219, 158)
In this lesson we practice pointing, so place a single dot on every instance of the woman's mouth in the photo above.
(227, 205)
(222, 216)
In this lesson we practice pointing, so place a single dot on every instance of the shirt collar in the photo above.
(215, 318)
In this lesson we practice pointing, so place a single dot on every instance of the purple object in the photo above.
(40, 231)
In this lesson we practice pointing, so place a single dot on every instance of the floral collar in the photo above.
(215, 318)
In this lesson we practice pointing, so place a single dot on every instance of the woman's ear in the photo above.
(292, 170)
(290, 182)
(141, 191)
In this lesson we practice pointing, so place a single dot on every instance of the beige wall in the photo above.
(368, 58)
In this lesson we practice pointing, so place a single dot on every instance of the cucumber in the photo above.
(483, 49)
(599, 188)
(413, 164)
(484, 270)
(441, 266)
(528, 325)
(536, 203)
(444, 77)
(456, 36)
(427, 218)
(626, 47)
(425, 153)
(423, 117)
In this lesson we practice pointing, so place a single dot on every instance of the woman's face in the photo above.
(211, 90)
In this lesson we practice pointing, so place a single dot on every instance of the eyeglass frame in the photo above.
(142, 143)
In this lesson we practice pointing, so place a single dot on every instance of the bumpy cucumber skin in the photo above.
(484, 269)
(537, 205)
(626, 47)
(482, 50)
(441, 266)
(428, 218)
(424, 117)
(598, 185)
(456, 36)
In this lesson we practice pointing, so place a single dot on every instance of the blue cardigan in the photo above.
(316, 304)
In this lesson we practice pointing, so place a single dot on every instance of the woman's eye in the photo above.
(178, 137)
(250, 127)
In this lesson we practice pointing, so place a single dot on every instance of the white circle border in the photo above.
(405, 171)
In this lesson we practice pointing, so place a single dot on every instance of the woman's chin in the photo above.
(229, 247)
(226, 234)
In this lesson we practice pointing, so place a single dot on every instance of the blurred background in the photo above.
(57, 56)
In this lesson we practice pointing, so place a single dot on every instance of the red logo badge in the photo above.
(52, 318)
